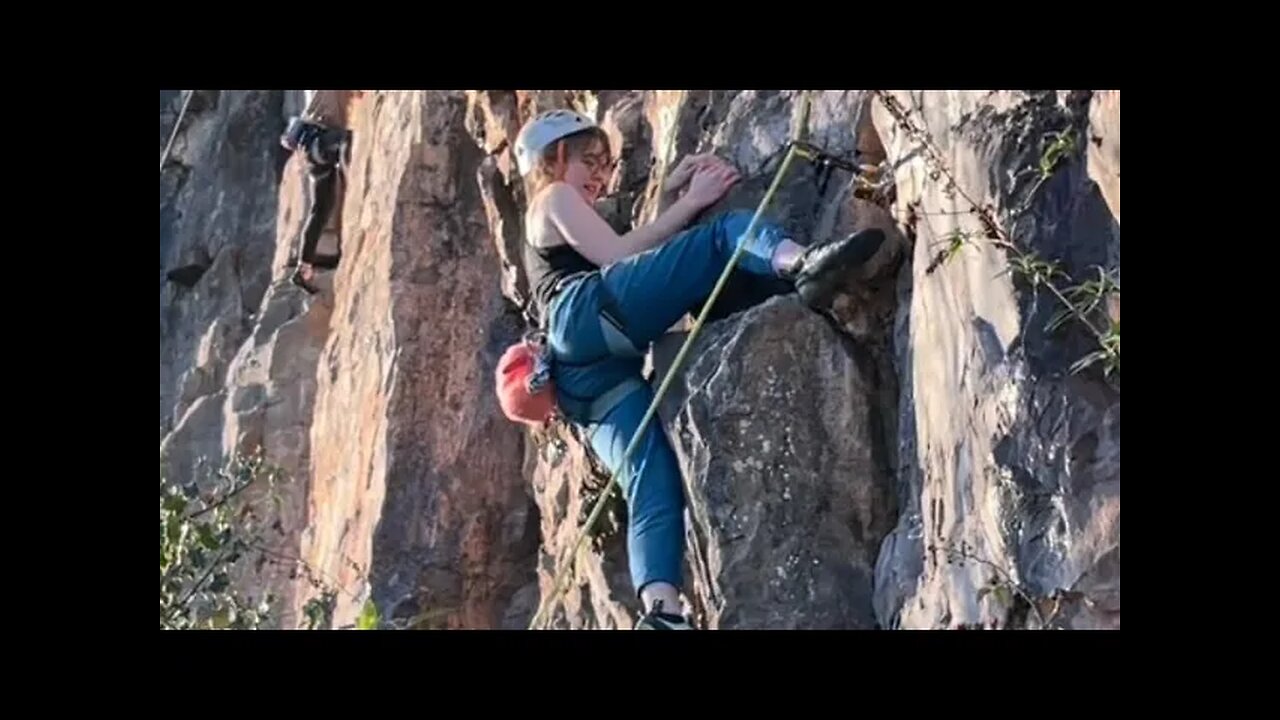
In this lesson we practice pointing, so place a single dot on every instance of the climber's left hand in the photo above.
(685, 169)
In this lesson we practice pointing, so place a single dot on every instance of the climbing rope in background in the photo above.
(557, 586)
(173, 134)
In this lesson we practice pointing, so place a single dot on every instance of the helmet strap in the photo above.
(561, 166)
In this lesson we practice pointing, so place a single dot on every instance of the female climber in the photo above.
(603, 297)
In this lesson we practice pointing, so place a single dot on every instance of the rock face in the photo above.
(217, 220)
(1010, 463)
(780, 435)
(922, 456)
(271, 390)
(567, 481)
(252, 386)
(781, 422)
(416, 486)
(1104, 146)
(401, 483)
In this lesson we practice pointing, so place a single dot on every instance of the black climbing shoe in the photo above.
(822, 268)
(655, 619)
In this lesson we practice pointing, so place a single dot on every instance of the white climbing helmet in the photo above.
(543, 130)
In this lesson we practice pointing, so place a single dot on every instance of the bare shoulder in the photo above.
(540, 230)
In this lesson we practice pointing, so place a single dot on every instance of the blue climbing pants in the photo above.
(599, 326)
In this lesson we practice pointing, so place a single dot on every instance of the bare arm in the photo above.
(588, 233)
(580, 226)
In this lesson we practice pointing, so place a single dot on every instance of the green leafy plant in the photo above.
(208, 530)
(368, 619)
(1035, 271)
(1080, 301)
(1005, 590)
(1057, 147)
(998, 588)
(955, 242)
(211, 528)
(1061, 145)
(203, 535)
(318, 610)
(1108, 354)
(1086, 297)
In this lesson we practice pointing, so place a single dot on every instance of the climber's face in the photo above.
(589, 173)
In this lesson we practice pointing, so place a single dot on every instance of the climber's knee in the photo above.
(739, 217)
(731, 224)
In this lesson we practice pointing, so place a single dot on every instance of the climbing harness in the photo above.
(173, 134)
(795, 147)
(524, 381)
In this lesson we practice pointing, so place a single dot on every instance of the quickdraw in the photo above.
(824, 163)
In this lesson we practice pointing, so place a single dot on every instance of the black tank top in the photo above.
(548, 266)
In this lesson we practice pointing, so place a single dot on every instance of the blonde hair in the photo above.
(547, 169)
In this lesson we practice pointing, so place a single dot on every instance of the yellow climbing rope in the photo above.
(556, 589)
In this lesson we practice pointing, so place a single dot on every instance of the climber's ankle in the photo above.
(661, 591)
(786, 258)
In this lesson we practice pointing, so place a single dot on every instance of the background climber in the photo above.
(326, 144)
(603, 297)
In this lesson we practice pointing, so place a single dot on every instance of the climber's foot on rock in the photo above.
(656, 619)
(303, 276)
(823, 268)
(344, 149)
